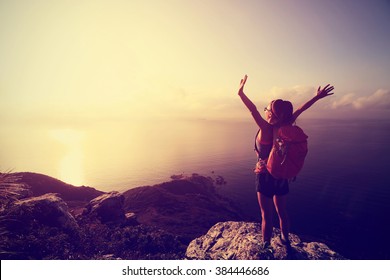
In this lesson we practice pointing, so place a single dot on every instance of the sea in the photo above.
(341, 197)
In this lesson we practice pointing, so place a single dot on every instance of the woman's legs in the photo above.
(266, 207)
(280, 202)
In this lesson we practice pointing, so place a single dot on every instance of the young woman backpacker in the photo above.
(272, 192)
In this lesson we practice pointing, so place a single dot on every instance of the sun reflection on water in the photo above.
(71, 165)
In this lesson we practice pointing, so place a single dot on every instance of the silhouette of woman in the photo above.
(270, 191)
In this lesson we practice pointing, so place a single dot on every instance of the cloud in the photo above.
(296, 94)
(380, 99)
(339, 105)
(345, 100)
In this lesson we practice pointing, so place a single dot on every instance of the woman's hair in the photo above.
(283, 111)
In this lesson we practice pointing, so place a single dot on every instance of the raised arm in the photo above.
(250, 105)
(321, 93)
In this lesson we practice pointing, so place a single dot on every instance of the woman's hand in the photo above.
(321, 93)
(326, 91)
(242, 84)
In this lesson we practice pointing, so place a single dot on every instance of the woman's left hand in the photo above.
(326, 91)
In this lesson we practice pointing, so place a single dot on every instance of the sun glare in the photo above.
(70, 166)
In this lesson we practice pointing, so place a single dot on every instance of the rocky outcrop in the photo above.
(186, 206)
(242, 241)
(152, 222)
(108, 208)
(48, 209)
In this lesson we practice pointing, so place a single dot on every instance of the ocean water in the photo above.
(341, 197)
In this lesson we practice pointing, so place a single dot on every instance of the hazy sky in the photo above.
(77, 78)
(68, 62)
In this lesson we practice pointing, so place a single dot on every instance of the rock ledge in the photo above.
(242, 241)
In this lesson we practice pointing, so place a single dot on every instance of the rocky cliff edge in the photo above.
(242, 241)
(183, 218)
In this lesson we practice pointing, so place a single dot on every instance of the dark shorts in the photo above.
(269, 186)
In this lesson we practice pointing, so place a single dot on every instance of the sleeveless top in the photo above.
(262, 151)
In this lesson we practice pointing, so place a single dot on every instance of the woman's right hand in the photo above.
(242, 84)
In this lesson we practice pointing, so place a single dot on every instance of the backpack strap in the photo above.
(256, 150)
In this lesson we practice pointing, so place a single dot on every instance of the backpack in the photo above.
(288, 152)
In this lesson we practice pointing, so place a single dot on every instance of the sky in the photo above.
(67, 65)
(80, 61)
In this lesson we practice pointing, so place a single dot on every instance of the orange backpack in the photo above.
(288, 152)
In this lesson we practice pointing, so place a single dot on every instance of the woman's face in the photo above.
(268, 113)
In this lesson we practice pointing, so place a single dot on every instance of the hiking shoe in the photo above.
(266, 245)
(284, 241)
(266, 251)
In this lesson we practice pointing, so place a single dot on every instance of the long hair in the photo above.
(282, 111)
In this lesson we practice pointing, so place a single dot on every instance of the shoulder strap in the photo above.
(257, 134)
(275, 131)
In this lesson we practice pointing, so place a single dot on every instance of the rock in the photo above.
(131, 219)
(243, 241)
(109, 257)
(186, 206)
(48, 209)
(108, 208)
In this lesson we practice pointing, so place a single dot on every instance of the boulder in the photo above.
(108, 208)
(243, 241)
(47, 209)
(131, 219)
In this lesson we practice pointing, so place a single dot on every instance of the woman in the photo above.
(270, 191)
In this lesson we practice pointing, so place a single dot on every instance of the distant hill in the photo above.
(41, 184)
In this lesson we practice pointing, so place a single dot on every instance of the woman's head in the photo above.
(279, 112)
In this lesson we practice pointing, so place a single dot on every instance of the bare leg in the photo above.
(281, 208)
(266, 207)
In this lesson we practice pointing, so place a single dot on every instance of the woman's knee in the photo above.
(281, 207)
(266, 206)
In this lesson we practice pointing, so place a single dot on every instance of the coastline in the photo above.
(149, 222)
